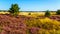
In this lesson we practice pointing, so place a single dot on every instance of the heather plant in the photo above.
(34, 30)
(28, 31)
(33, 22)
(11, 25)
(0, 29)
(49, 24)
(28, 25)
(45, 24)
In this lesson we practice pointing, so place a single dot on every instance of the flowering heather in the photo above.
(28, 25)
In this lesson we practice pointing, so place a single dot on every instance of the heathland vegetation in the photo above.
(14, 23)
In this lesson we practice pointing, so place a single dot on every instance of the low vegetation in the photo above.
(43, 26)
(30, 23)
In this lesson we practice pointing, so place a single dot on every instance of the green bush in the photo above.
(58, 12)
(47, 13)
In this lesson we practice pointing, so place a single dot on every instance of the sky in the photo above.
(31, 5)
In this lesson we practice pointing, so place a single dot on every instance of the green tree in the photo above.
(14, 10)
(58, 12)
(47, 13)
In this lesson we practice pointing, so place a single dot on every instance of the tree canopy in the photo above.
(14, 10)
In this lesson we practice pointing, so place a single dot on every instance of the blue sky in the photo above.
(31, 5)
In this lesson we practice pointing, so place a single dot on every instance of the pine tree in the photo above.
(14, 10)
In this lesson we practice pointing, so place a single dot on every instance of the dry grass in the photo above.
(32, 13)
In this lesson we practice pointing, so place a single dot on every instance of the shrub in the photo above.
(47, 13)
(29, 14)
(58, 12)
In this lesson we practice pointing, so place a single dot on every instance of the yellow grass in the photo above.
(4, 12)
(32, 13)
